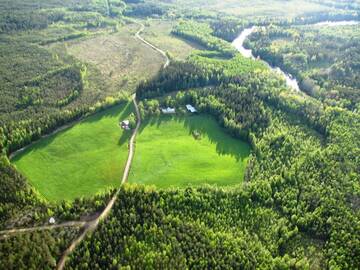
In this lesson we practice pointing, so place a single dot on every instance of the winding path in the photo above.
(6, 233)
(89, 226)
(92, 225)
(137, 35)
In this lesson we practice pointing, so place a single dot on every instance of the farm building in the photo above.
(168, 110)
(191, 108)
(52, 220)
(125, 124)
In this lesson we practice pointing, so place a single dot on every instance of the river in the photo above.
(292, 82)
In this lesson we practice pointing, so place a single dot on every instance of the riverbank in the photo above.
(291, 81)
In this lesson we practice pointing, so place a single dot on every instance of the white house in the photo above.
(52, 220)
(125, 124)
(168, 110)
(190, 108)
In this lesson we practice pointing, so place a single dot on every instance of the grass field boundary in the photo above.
(92, 225)
(138, 36)
(6, 233)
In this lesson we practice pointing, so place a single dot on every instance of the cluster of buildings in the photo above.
(169, 110)
(125, 124)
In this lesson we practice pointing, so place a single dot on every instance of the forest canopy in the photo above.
(298, 204)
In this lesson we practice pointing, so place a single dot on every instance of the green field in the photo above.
(167, 153)
(255, 8)
(158, 32)
(81, 160)
(122, 59)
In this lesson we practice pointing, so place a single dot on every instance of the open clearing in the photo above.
(120, 57)
(158, 32)
(277, 8)
(168, 154)
(80, 161)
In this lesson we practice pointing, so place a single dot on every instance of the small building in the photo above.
(168, 110)
(191, 108)
(52, 220)
(125, 124)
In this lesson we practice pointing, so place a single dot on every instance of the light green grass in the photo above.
(80, 161)
(167, 154)
(158, 32)
(254, 8)
(121, 59)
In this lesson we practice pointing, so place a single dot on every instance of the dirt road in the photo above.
(137, 35)
(7, 233)
(92, 225)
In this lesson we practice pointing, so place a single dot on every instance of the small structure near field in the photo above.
(191, 108)
(52, 220)
(125, 124)
(196, 134)
(168, 110)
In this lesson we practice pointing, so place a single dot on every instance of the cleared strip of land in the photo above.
(81, 160)
(174, 151)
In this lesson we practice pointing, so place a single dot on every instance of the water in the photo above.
(291, 82)
(341, 23)
(238, 43)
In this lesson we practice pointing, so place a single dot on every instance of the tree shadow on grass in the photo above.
(126, 134)
(122, 111)
(208, 127)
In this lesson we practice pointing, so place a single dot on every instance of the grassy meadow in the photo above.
(168, 154)
(256, 8)
(158, 32)
(121, 59)
(80, 161)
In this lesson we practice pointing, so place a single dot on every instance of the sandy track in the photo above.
(137, 35)
(7, 233)
(92, 225)
(88, 226)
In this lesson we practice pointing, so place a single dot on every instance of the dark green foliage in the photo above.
(145, 10)
(325, 61)
(299, 207)
(227, 29)
(178, 75)
(228, 101)
(202, 34)
(36, 250)
(305, 162)
(16, 195)
(196, 229)
(199, 71)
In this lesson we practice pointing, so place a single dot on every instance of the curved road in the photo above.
(4, 234)
(92, 225)
(137, 35)
(88, 226)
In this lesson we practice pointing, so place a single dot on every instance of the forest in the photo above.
(298, 206)
(327, 65)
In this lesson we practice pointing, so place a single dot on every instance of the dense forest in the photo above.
(299, 205)
(305, 166)
(303, 174)
(35, 250)
(325, 60)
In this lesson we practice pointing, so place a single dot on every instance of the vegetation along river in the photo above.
(292, 82)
